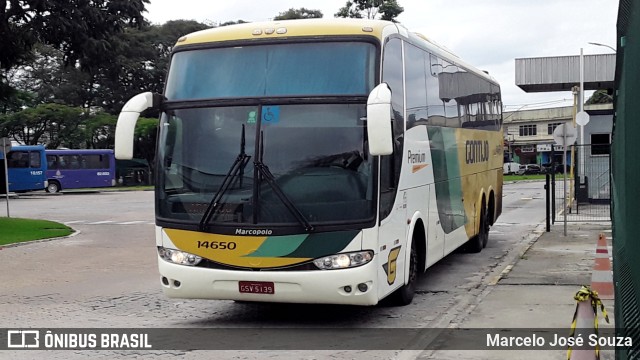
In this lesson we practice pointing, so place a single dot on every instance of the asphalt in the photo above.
(537, 291)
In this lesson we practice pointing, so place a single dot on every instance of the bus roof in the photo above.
(287, 28)
(27, 147)
(23, 148)
(321, 27)
(78, 151)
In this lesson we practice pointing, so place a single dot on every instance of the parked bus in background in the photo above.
(318, 161)
(74, 169)
(26, 166)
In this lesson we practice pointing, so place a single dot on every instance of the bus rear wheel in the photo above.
(53, 187)
(478, 242)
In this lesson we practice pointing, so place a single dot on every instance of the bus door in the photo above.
(392, 246)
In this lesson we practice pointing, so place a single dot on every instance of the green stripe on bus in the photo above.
(278, 246)
(322, 244)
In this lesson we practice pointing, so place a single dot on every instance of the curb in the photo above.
(28, 242)
(535, 235)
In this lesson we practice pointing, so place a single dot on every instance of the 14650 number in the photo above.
(220, 245)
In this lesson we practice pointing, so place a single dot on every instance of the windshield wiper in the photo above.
(236, 168)
(263, 170)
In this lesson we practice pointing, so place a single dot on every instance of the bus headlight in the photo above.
(178, 257)
(343, 261)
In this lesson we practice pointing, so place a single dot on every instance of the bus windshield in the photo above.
(325, 68)
(305, 147)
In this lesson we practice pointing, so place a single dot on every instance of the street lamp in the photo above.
(598, 44)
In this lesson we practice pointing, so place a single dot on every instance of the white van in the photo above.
(510, 168)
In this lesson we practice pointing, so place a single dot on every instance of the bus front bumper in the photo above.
(320, 286)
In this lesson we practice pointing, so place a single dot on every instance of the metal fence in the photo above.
(586, 196)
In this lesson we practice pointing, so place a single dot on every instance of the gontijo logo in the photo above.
(476, 151)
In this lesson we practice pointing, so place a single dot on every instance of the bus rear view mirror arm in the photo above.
(125, 128)
(379, 121)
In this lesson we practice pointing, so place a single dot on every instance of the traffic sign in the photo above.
(582, 118)
(5, 145)
(565, 134)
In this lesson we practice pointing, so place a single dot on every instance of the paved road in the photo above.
(106, 276)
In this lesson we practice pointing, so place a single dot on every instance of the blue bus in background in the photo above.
(86, 168)
(27, 168)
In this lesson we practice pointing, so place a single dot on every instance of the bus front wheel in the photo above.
(404, 295)
(53, 187)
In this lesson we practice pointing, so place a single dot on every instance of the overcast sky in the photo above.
(489, 34)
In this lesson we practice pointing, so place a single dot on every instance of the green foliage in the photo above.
(99, 131)
(526, 177)
(600, 97)
(20, 230)
(65, 106)
(301, 13)
(371, 9)
(81, 30)
(141, 63)
(57, 125)
(47, 79)
(45, 123)
(17, 101)
(227, 23)
(146, 134)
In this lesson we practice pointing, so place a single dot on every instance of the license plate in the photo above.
(256, 287)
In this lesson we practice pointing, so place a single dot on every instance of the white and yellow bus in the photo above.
(318, 161)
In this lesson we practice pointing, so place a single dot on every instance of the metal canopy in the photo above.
(561, 73)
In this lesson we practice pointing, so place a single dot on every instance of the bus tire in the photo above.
(479, 242)
(484, 227)
(53, 186)
(404, 295)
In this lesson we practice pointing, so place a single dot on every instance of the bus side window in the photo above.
(34, 159)
(63, 161)
(52, 162)
(18, 159)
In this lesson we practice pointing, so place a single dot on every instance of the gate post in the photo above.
(547, 189)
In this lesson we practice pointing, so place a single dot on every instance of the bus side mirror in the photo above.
(379, 121)
(126, 126)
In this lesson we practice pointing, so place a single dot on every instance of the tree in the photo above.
(141, 63)
(51, 124)
(47, 79)
(227, 23)
(80, 29)
(99, 131)
(370, 9)
(302, 13)
(600, 97)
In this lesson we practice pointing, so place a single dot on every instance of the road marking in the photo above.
(131, 222)
(499, 277)
(101, 222)
(74, 222)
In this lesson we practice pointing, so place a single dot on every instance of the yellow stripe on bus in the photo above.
(227, 249)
